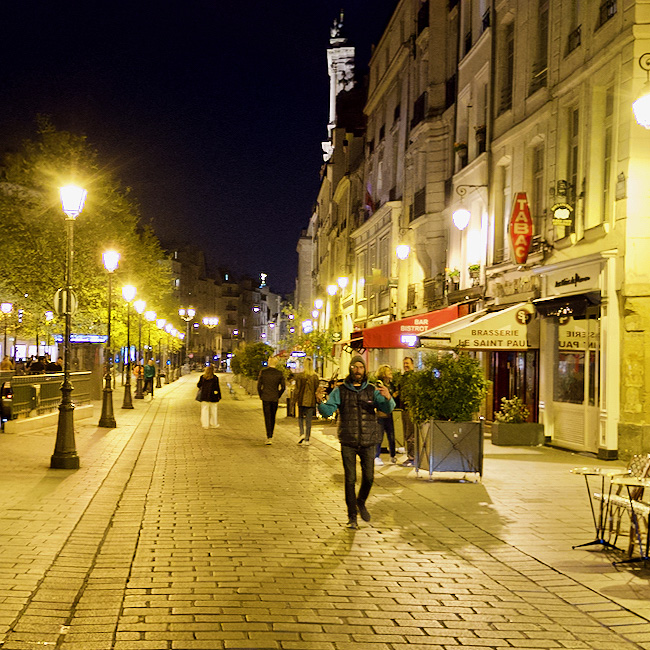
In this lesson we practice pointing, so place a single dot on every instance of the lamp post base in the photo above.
(107, 418)
(139, 385)
(65, 452)
(128, 402)
(158, 381)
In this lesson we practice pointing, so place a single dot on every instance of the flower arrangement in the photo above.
(474, 268)
(512, 410)
(453, 274)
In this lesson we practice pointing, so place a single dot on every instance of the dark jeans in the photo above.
(387, 426)
(305, 415)
(409, 434)
(367, 458)
(148, 385)
(269, 409)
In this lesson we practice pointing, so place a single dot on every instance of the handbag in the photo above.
(198, 396)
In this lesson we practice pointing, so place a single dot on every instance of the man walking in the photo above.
(407, 423)
(358, 432)
(270, 385)
(149, 374)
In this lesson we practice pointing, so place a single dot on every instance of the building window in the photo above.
(606, 11)
(382, 132)
(396, 113)
(419, 107)
(419, 203)
(423, 17)
(539, 191)
(540, 61)
(501, 213)
(608, 144)
(507, 68)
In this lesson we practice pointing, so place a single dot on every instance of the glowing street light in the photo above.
(128, 293)
(139, 306)
(65, 451)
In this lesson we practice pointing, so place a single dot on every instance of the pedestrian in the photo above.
(270, 386)
(37, 366)
(357, 402)
(149, 374)
(209, 394)
(6, 364)
(385, 420)
(304, 395)
(408, 427)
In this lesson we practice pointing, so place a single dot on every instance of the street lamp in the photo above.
(168, 328)
(65, 451)
(139, 306)
(7, 308)
(49, 317)
(150, 317)
(128, 293)
(160, 324)
(187, 315)
(641, 106)
(211, 322)
(107, 418)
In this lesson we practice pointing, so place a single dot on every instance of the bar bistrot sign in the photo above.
(521, 228)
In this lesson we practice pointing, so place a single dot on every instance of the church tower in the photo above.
(340, 68)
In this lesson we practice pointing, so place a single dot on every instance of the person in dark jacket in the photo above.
(357, 402)
(209, 395)
(270, 386)
(304, 394)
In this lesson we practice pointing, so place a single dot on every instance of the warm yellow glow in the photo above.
(641, 107)
(6, 307)
(314, 313)
(403, 251)
(461, 218)
(210, 321)
(318, 303)
(332, 289)
(111, 260)
(150, 315)
(49, 316)
(128, 292)
(168, 328)
(342, 282)
(72, 199)
(139, 306)
(160, 323)
(474, 247)
(187, 314)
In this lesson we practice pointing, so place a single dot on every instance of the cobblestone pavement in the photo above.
(171, 536)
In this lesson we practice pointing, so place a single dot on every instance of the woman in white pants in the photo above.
(209, 394)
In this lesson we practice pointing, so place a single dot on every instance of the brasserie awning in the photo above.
(512, 328)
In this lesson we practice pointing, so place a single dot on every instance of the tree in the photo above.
(250, 358)
(33, 244)
(316, 343)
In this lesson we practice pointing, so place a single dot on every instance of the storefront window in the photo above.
(570, 378)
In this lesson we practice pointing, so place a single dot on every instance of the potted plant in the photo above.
(443, 399)
(474, 270)
(511, 426)
(453, 276)
(460, 147)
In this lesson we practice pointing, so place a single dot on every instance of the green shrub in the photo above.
(250, 358)
(449, 387)
(512, 410)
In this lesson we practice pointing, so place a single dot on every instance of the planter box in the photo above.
(524, 434)
(443, 446)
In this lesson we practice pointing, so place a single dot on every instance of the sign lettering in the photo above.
(521, 228)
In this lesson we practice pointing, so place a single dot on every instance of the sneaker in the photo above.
(269, 441)
(409, 463)
(393, 459)
(363, 511)
(300, 442)
(306, 443)
(352, 524)
(378, 461)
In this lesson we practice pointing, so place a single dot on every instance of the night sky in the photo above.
(212, 112)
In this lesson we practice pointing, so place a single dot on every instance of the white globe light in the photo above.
(461, 218)
(403, 251)
(641, 108)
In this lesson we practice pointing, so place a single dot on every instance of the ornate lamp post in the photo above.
(107, 418)
(65, 451)
(168, 370)
(160, 324)
(187, 315)
(128, 293)
(139, 306)
(211, 322)
(150, 317)
(49, 317)
(6, 308)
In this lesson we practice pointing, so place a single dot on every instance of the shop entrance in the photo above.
(515, 374)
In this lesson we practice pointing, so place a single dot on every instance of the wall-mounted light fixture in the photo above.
(462, 215)
(641, 106)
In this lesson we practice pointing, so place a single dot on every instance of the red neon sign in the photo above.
(521, 228)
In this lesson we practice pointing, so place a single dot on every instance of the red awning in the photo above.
(391, 335)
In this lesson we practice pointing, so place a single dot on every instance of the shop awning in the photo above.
(575, 305)
(402, 333)
(512, 328)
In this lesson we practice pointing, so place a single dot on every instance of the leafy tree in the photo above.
(317, 343)
(250, 358)
(450, 387)
(33, 246)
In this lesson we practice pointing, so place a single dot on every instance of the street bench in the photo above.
(620, 499)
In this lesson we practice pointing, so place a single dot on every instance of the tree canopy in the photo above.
(33, 245)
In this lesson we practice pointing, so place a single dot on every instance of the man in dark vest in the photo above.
(359, 433)
(270, 386)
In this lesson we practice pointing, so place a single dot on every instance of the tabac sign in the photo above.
(521, 228)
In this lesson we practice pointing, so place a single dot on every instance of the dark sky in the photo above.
(212, 112)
